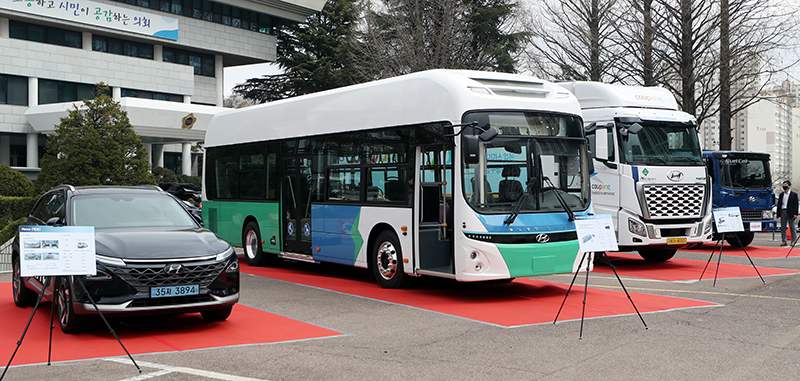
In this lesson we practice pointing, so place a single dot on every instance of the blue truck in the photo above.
(742, 179)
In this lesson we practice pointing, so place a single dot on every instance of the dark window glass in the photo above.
(37, 33)
(217, 9)
(196, 62)
(13, 90)
(146, 51)
(99, 44)
(73, 39)
(48, 91)
(131, 49)
(207, 66)
(85, 91)
(116, 46)
(168, 55)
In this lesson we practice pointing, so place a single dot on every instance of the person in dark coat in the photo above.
(787, 210)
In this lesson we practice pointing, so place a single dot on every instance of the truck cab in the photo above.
(742, 179)
(649, 174)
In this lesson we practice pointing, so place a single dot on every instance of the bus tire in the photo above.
(745, 238)
(386, 261)
(251, 242)
(657, 255)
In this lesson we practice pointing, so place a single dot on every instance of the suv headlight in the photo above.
(225, 254)
(636, 227)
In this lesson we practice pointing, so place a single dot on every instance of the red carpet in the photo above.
(677, 269)
(152, 334)
(521, 302)
(753, 251)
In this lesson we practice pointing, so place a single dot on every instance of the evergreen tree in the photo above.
(95, 145)
(314, 56)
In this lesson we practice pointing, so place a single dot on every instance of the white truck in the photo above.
(649, 172)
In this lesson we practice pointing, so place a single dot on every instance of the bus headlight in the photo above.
(474, 255)
(636, 227)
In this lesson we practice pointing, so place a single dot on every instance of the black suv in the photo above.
(148, 248)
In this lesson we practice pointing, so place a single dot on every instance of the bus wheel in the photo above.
(657, 255)
(251, 241)
(745, 238)
(386, 261)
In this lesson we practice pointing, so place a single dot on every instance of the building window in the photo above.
(131, 93)
(45, 34)
(122, 47)
(13, 90)
(203, 63)
(216, 12)
(61, 91)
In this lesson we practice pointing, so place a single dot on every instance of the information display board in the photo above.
(728, 220)
(57, 250)
(596, 233)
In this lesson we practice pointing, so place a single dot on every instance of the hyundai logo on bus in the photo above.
(542, 238)
(174, 268)
(675, 175)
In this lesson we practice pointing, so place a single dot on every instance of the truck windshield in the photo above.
(519, 159)
(661, 143)
(745, 173)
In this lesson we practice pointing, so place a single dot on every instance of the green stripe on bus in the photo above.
(356, 235)
(539, 259)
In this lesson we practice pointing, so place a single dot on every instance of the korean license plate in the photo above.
(676, 241)
(163, 292)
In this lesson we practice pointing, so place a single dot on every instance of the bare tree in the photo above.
(572, 40)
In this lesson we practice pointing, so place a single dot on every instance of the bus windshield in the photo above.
(661, 143)
(540, 161)
(745, 173)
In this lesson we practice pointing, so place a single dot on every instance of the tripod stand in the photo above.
(719, 258)
(47, 283)
(607, 261)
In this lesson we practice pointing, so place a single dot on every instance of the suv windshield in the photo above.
(126, 210)
(661, 143)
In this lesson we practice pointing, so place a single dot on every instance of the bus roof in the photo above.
(423, 97)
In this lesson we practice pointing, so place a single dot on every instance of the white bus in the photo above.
(650, 174)
(466, 175)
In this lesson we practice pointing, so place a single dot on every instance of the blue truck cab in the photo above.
(742, 179)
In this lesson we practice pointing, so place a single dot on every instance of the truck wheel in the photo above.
(745, 238)
(657, 255)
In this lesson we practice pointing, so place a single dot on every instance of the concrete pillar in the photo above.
(158, 155)
(219, 75)
(149, 148)
(5, 149)
(158, 53)
(4, 33)
(116, 93)
(87, 41)
(33, 91)
(186, 159)
(187, 99)
(32, 150)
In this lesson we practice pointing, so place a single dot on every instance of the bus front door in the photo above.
(435, 221)
(296, 195)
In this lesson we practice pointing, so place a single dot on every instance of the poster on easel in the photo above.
(57, 250)
(728, 220)
(596, 233)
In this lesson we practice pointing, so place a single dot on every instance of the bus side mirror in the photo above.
(488, 135)
(470, 149)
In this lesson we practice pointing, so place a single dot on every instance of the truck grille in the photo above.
(674, 201)
(751, 215)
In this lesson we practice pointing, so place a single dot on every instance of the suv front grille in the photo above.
(144, 277)
(674, 201)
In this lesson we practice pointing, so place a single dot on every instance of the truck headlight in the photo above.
(766, 214)
(636, 227)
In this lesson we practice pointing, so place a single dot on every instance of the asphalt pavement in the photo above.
(753, 334)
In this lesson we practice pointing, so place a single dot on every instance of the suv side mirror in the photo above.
(55, 221)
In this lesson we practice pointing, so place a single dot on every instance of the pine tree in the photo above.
(95, 145)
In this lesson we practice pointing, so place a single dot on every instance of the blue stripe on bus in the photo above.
(529, 223)
(335, 232)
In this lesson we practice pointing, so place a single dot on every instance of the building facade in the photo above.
(162, 60)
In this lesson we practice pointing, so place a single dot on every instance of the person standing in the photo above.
(787, 209)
